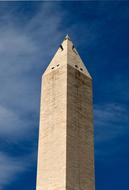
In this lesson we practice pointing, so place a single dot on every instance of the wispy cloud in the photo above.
(111, 123)
(25, 50)
(111, 120)
(11, 125)
(10, 167)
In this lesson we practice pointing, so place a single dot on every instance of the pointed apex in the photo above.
(67, 55)
(67, 37)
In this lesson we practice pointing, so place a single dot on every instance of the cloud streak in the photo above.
(10, 167)
(111, 123)
(111, 120)
(25, 50)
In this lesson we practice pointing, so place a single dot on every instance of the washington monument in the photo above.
(66, 139)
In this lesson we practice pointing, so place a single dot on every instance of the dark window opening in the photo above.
(76, 66)
(52, 67)
(81, 69)
(61, 47)
(58, 65)
(74, 50)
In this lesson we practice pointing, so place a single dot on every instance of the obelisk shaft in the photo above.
(66, 144)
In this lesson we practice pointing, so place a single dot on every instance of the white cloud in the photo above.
(10, 167)
(11, 125)
(110, 125)
(25, 50)
(111, 121)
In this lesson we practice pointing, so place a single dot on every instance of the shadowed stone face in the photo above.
(66, 148)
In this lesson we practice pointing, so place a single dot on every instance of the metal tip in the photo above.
(67, 37)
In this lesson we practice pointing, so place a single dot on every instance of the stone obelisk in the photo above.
(66, 143)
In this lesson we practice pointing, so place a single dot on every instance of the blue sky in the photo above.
(30, 33)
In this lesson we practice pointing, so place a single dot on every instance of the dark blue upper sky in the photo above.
(30, 33)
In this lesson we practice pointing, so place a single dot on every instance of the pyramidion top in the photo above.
(67, 54)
